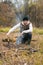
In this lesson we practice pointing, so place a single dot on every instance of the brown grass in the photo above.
(9, 55)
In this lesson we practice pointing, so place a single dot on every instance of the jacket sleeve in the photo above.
(13, 28)
(29, 30)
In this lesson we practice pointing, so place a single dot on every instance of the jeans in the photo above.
(24, 38)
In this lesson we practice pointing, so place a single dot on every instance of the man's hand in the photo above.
(7, 35)
(21, 34)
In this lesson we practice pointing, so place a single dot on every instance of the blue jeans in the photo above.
(24, 38)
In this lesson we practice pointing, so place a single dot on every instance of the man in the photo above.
(25, 30)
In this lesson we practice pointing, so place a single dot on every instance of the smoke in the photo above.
(19, 17)
(19, 13)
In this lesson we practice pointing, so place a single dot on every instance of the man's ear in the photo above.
(28, 22)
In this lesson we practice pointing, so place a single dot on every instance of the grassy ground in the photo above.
(35, 30)
(38, 30)
(9, 55)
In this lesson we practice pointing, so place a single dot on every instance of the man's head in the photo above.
(26, 20)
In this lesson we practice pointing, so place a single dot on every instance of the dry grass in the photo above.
(12, 56)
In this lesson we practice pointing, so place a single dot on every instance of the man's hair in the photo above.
(26, 18)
